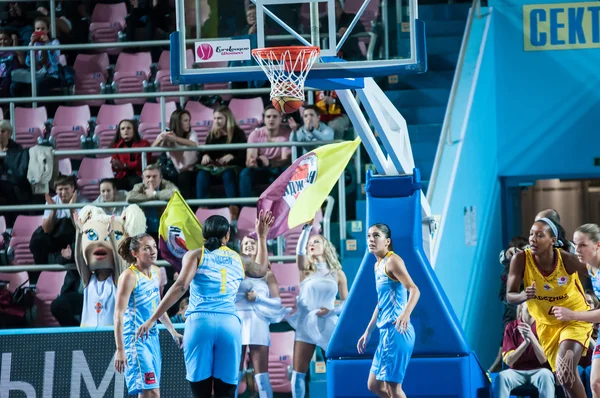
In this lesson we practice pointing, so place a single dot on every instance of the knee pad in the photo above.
(298, 384)
(224, 390)
(263, 384)
(202, 388)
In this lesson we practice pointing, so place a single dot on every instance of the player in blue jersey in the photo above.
(391, 316)
(137, 298)
(213, 340)
(587, 248)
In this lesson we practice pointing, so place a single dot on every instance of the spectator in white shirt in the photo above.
(57, 230)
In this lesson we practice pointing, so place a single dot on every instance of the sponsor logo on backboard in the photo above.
(223, 50)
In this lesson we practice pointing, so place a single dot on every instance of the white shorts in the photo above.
(255, 331)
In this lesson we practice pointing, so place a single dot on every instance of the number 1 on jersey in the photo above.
(223, 272)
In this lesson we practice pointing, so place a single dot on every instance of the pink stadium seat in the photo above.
(29, 125)
(47, 290)
(132, 74)
(19, 242)
(216, 86)
(247, 112)
(65, 167)
(291, 236)
(15, 279)
(246, 221)
(162, 81)
(150, 126)
(280, 361)
(202, 119)
(203, 214)
(70, 126)
(91, 72)
(90, 173)
(108, 20)
(107, 121)
(288, 279)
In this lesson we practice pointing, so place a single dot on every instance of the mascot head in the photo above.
(99, 236)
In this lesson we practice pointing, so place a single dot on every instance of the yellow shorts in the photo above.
(551, 336)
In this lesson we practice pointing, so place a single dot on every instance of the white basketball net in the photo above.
(286, 73)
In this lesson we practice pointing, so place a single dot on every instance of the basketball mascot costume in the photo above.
(97, 259)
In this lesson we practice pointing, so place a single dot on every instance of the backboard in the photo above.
(357, 38)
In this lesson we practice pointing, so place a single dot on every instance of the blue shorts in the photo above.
(393, 354)
(143, 363)
(212, 346)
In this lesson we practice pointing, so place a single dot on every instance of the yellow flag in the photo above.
(326, 163)
(179, 231)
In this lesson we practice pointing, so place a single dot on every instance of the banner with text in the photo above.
(562, 26)
(77, 365)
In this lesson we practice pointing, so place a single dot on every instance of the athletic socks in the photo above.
(263, 384)
(298, 384)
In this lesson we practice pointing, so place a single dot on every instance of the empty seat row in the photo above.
(71, 124)
(132, 74)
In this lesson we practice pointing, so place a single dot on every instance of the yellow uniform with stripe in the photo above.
(557, 289)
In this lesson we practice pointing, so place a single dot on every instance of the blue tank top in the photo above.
(391, 294)
(216, 283)
(595, 279)
(143, 301)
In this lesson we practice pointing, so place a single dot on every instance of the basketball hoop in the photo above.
(287, 68)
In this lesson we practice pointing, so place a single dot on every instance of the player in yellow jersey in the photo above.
(551, 276)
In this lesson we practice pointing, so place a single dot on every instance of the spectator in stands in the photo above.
(69, 15)
(9, 61)
(179, 317)
(350, 51)
(46, 63)
(264, 165)
(250, 28)
(225, 164)
(154, 16)
(181, 135)
(14, 186)
(109, 193)
(19, 19)
(313, 128)
(153, 187)
(67, 307)
(525, 357)
(128, 166)
(516, 244)
(332, 112)
(57, 230)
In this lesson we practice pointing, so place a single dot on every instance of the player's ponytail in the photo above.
(215, 229)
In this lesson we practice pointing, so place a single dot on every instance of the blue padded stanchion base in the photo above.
(453, 377)
(396, 201)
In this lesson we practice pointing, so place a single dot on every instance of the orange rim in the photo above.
(274, 53)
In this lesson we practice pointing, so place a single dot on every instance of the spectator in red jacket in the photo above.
(128, 166)
(525, 358)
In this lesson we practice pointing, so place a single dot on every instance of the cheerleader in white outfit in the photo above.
(321, 279)
(258, 305)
